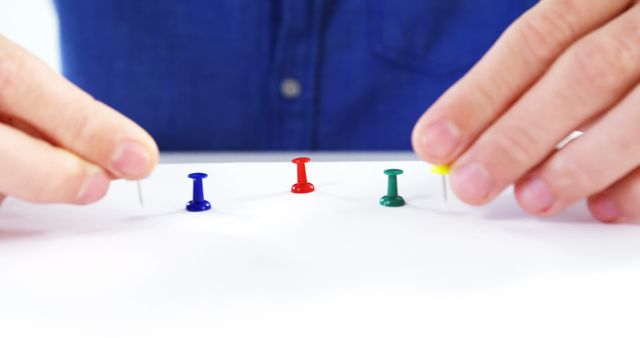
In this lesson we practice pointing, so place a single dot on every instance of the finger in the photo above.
(68, 117)
(519, 58)
(619, 203)
(589, 78)
(607, 152)
(2, 197)
(33, 170)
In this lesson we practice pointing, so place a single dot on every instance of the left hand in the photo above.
(565, 65)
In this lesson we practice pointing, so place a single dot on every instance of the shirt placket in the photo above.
(294, 75)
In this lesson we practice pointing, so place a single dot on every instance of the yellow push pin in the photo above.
(442, 170)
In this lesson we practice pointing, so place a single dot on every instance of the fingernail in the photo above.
(535, 196)
(605, 209)
(130, 160)
(94, 188)
(441, 139)
(472, 182)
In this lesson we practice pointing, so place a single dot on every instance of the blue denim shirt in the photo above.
(278, 74)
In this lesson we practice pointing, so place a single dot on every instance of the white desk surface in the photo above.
(267, 263)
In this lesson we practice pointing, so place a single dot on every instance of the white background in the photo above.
(33, 25)
(334, 263)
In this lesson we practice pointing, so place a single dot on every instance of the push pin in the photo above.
(198, 203)
(442, 170)
(392, 199)
(302, 187)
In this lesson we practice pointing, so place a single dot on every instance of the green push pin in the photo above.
(391, 199)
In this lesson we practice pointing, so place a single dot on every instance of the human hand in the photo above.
(565, 65)
(58, 144)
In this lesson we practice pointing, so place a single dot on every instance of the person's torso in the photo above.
(281, 74)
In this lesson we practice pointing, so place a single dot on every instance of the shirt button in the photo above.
(290, 88)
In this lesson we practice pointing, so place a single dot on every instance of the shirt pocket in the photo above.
(438, 35)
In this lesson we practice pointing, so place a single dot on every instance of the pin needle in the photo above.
(444, 188)
(140, 198)
(442, 170)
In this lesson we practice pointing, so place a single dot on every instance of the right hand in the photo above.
(57, 143)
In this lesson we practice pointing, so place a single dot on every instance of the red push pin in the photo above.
(302, 187)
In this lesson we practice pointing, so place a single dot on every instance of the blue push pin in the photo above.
(198, 203)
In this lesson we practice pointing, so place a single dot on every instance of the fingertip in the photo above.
(472, 183)
(438, 141)
(417, 136)
(133, 159)
(94, 188)
(155, 155)
(535, 197)
(604, 208)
